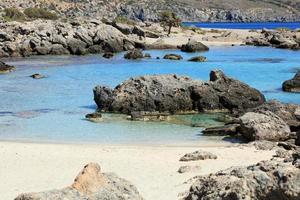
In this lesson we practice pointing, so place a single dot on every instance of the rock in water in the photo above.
(266, 180)
(108, 55)
(134, 54)
(94, 117)
(292, 85)
(90, 184)
(193, 46)
(198, 59)
(37, 76)
(263, 126)
(177, 94)
(173, 57)
(198, 155)
(4, 68)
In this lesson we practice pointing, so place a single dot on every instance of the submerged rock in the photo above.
(90, 184)
(263, 126)
(37, 76)
(193, 46)
(198, 155)
(266, 180)
(94, 117)
(198, 59)
(4, 68)
(134, 54)
(292, 85)
(173, 57)
(149, 116)
(177, 94)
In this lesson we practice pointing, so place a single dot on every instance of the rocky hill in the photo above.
(188, 10)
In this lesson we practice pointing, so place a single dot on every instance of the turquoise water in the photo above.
(253, 25)
(53, 109)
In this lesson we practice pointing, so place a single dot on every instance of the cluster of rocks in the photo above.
(5, 68)
(79, 37)
(273, 121)
(91, 184)
(177, 94)
(284, 39)
(292, 85)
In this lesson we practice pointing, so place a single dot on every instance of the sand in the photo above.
(32, 167)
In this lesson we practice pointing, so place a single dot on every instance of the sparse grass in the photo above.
(124, 20)
(39, 13)
(283, 29)
(13, 14)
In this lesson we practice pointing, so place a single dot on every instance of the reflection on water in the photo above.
(53, 109)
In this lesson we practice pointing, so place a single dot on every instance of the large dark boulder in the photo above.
(193, 46)
(268, 180)
(292, 85)
(176, 94)
(5, 68)
(90, 184)
(134, 54)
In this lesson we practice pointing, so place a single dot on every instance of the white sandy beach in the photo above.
(31, 167)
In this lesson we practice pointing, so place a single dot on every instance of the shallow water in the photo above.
(53, 109)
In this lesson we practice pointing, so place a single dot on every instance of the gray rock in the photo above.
(193, 46)
(266, 180)
(173, 57)
(229, 129)
(5, 68)
(292, 85)
(177, 94)
(198, 155)
(76, 46)
(90, 184)
(58, 49)
(108, 55)
(189, 169)
(263, 145)
(198, 59)
(263, 126)
(134, 54)
(94, 117)
(37, 76)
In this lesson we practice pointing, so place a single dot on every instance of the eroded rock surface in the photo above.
(198, 155)
(177, 94)
(292, 85)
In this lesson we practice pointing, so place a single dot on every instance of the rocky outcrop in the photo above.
(43, 37)
(193, 46)
(91, 184)
(177, 94)
(198, 155)
(94, 117)
(5, 68)
(37, 76)
(292, 85)
(278, 39)
(263, 126)
(266, 180)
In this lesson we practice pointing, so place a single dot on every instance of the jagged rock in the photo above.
(263, 126)
(37, 76)
(173, 57)
(177, 94)
(198, 59)
(124, 28)
(292, 85)
(189, 169)
(229, 129)
(287, 112)
(90, 184)
(76, 46)
(58, 49)
(94, 117)
(263, 145)
(134, 54)
(193, 46)
(4, 68)
(198, 155)
(266, 180)
(108, 55)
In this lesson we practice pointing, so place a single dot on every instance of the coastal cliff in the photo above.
(192, 10)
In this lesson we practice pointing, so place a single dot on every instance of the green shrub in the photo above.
(13, 14)
(124, 20)
(39, 13)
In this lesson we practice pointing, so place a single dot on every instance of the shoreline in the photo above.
(49, 166)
